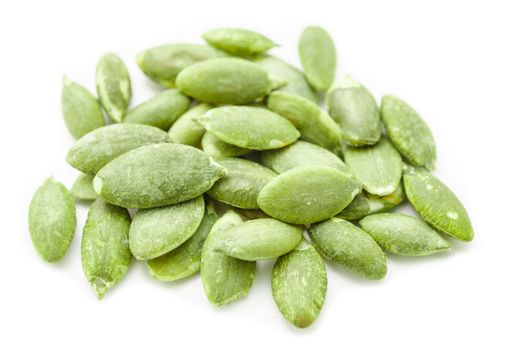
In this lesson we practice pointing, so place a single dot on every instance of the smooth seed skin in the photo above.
(82, 189)
(240, 42)
(219, 149)
(186, 130)
(318, 57)
(365, 204)
(113, 86)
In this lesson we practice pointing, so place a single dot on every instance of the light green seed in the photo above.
(365, 204)
(404, 235)
(436, 204)
(52, 220)
(240, 42)
(186, 130)
(104, 248)
(80, 109)
(342, 242)
(113, 86)
(318, 57)
(157, 231)
(298, 285)
(219, 149)
(82, 189)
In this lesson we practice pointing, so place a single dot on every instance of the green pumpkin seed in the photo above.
(298, 285)
(97, 148)
(342, 242)
(240, 42)
(80, 109)
(365, 204)
(378, 168)
(356, 111)
(224, 81)
(242, 184)
(408, 132)
(225, 279)
(160, 111)
(52, 220)
(315, 125)
(104, 248)
(260, 239)
(157, 231)
(404, 235)
(157, 175)
(436, 204)
(184, 261)
(82, 189)
(249, 127)
(318, 57)
(219, 149)
(308, 194)
(186, 130)
(113, 86)
(299, 154)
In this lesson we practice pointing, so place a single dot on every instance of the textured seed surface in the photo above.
(157, 231)
(161, 110)
(436, 204)
(249, 127)
(260, 239)
(104, 248)
(97, 148)
(219, 149)
(52, 220)
(82, 188)
(225, 279)
(365, 204)
(80, 109)
(318, 57)
(404, 235)
(157, 175)
(242, 184)
(342, 242)
(298, 285)
(378, 168)
(300, 154)
(184, 261)
(113, 86)
(308, 194)
(315, 125)
(408, 132)
(356, 111)
(186, 130)
(238, 41)
(224, 81)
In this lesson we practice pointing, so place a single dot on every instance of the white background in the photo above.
(462, 65)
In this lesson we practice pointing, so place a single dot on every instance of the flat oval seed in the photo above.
(104, 248)
(80, 109)
(240, 42)
(242, 184)
(186, 130)
(225, 279)
(184, 261)
(249, 127)
(157, 175)
(260, 239)
(404, 235)
(298, 285)
(378, 168)
(316, 125)
(365, 204)
(299, 154)
(97, 148)
(82, 189)
(157, 231)
(219, 149)
(163, 63)
(318, 57)
(308, 194)
(113, 86)
(436, 204)
(224, 81)
(160, 111)
(408, 132)
(52, 220)
(356, 111)
(349, 246)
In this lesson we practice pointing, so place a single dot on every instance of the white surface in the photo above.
(463, 66)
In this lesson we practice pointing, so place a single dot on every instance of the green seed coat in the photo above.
(113, 86)
(318, 57)
(240, 42)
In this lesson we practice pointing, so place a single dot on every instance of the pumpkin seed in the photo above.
(157, 231)
(113, 86)
(80, 109)
(342, 242)
(240, 42)
(82, 189)
(52, 220)
(157, 175)
(308, 194)
(97, 148)
(225, 279)
(403, 234)
(186, 130)
(436, 204)
(318, 57)
(408, 132)
(219, 149)
(365, 204)
(298, 285)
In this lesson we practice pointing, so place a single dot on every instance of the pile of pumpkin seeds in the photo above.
(236, 162)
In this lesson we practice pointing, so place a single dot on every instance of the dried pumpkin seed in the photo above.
(219, 149)
(82, 189)
(365, 204)
(186, 130)
(240, 42)
(318, 57)
(113, 86)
